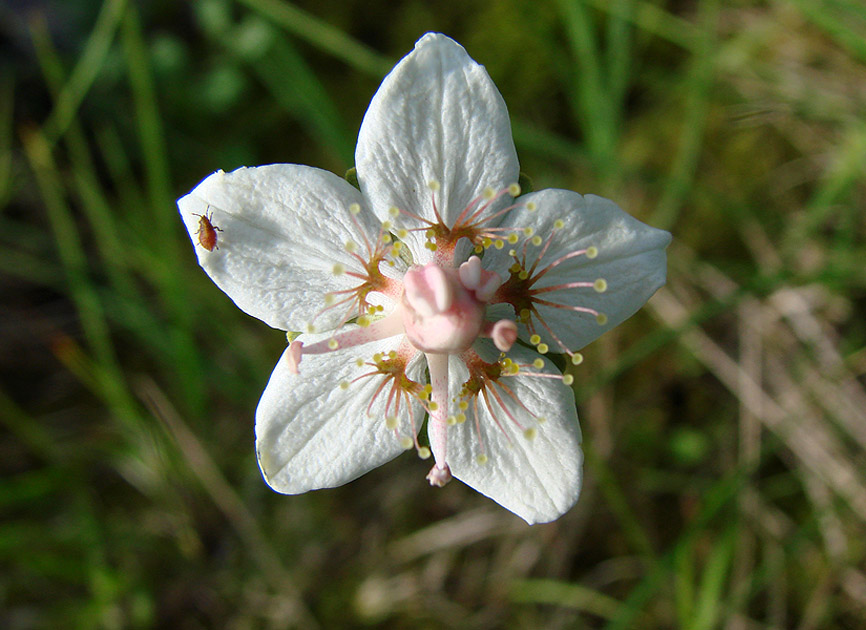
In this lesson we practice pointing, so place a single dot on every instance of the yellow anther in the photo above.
(461, 418)
(333, 344)
(339, 269)
(386, 238)
(478, 249)
(481, 459)
(600, 285)
(535, 340)
(310, 328)
(377, 358)
(576, 358)
(359, 363)
(344, 385)
(424, 452)
(531, 206)
(423, 395)
(525, 313)
(463, 405)
(499, 244)
(363, 321)
(329, 299)
(523, 275)
(434, 406)
(402, 233)
(488, 193)
(567, 379)
(515, 268)
(538, 364)
(528, 231)
(486, 242)
(541, 419)
(430, 233)
(591, 252)
(433, 185)
(406, 442)
(391, 422)
(514, 189)
(513, 238)
(512, 252)
(451, 421)
(542, 348)
(351, 247)
(354, 208)
(392, 354)
(394, 211)
(536, 240)
(428, 388)
(558, 224)
(601, 318)
(530, 433)
(396, 247)
(387, 225)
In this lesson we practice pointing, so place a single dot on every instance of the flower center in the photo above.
(441, 314)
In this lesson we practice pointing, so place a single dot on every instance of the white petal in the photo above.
(538, 479)
(284, 227)
(631, 260)
(437, 116)
(311, 433)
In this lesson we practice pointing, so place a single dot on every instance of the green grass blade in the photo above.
(86, 70)
(322, 35)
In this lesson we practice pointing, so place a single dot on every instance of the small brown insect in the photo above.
(207, 231)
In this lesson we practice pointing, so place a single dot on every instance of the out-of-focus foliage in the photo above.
(725, 424)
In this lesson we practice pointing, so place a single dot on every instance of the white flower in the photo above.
(386, 289)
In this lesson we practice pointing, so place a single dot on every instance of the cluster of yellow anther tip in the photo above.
(542, 347)
(509, 367)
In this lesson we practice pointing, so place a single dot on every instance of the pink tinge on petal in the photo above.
(293, 356)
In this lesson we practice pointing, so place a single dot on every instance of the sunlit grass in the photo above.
(725, 425)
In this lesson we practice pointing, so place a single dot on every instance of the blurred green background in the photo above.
(725, 424)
